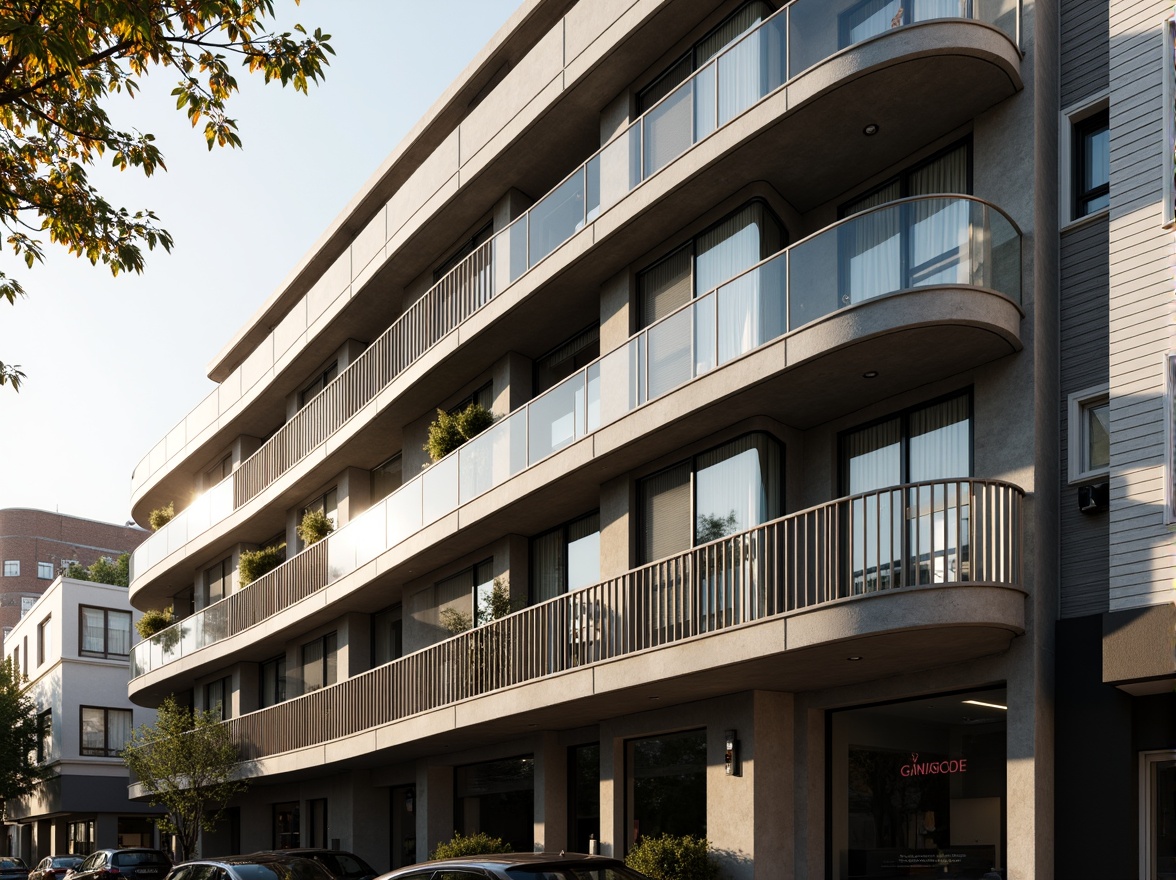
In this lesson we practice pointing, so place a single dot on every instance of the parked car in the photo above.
(344, 865)
(519, 866)
(54, 867)
(13, 868)
(258, 866)
(134, 863)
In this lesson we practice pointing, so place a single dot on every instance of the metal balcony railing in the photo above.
(930, 241)
(949, 533)
(794, 38)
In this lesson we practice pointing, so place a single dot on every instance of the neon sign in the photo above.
(933, 768)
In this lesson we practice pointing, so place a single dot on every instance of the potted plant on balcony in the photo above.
(255, 563)
(161, 516)
(158, 620)
(315, 526)
(450, 430)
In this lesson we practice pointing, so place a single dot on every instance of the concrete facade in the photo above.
(852, 622)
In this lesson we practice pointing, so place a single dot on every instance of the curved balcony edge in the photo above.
(956, 531)
(920, 39)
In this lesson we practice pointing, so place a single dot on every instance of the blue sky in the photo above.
(114, 363)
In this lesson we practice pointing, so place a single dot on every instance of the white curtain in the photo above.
(873, 457)
(940, 443)
(118, 636)
(874, 265)
(94, 630)
(923, 10)
(548, 564)
(737, 487)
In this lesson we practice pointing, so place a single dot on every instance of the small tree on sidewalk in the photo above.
(186, 763)
(19, 772)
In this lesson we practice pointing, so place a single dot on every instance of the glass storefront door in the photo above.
(919, 788)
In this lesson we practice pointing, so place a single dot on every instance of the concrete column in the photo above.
(434, 806)
(612, 793)
(105, 830)
(769, 761)
(808, 813)
(371, 821)
(551, 794)
(615, 532)
(616, 321)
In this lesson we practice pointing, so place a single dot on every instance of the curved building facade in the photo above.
(761, 543)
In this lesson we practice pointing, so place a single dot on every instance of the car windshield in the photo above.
(67, 862)
(11, 863)
(539, 872)
(143, 857)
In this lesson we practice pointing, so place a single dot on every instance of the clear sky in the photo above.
(114, 363)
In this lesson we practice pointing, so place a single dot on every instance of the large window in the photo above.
(45, 571)
(463, 600)
(919, 788)
(44, 735)
(735, 243)
(948, 171)
(387, 478)
(567, 357)
(286, 825)
(320, 663)
(921, 535)
(105, 731)
(105, 632)
(317, 384)
(725, 490)
(11, 568)
(497, 798)
(873, 17)
(218, 696)
(1159, 818)
(81, 837)
(273, 681)
(666, 785)
(583, 795)
(566, 558)
(44, 639)
(217, 582)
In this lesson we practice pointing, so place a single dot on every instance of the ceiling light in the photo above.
(871, 129)
(854, 657)
(870, 374)
(982, 703)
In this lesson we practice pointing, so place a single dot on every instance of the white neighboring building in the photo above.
(73, 646)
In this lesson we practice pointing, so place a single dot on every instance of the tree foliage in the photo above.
(19, 772)
(255, 563)
(62, 61)
(103, 571)
(186, 764)
(155, 620)
(161, 516)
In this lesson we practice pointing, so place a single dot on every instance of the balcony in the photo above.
(913, 576)
(781, 49)
(933, 244)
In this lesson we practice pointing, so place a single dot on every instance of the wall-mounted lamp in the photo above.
(409, 801)
(731, 758)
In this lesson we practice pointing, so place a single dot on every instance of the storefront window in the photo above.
(497, 798)
(919, 788)
(667, 785)
(583, 795)
(1159, 779)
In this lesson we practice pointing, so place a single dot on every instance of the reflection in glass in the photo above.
(667, 785)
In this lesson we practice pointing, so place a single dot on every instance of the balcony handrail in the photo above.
(638, 343)
(974, 532)
(244, 491)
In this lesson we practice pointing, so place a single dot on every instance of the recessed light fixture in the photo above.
(655, 698)
(871, 129)
(854, 657)
(982, 703)
(870, 374)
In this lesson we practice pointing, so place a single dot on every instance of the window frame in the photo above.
(44, 735)
(322, 378)
(225, 683)
(1084, 130)
(1079, 406)
(279, 664)
(561, 529)
(1148, 763)
(44, 639)
(11, 568)
(1069, 120)
(302, 664)
(107, 751)
(41, 568)
(105, 653)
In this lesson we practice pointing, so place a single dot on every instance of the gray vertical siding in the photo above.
(1085, 50)
(1085, 285)
(1141, 325)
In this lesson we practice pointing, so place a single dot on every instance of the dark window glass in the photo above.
(319, 663)
(1092, 164)
(949, 171)
(497, 798)
(105, 731)
(667, 785)
(387, 635)
(567, 357)
(273, 681)
(286, 819)
(566, 558)
(583, 795)
(387, 478)
(317, 384)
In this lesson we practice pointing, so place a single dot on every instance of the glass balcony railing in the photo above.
(743, 74)
(932, 241)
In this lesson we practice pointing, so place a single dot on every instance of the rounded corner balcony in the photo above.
(881, 280)
(830, 63)
(911, 577)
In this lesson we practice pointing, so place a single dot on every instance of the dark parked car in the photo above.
(519, 866)
(54, 867)
(344, 865)
(258, 866)
(12, 868)
(136, 863)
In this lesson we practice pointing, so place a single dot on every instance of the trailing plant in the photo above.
(155, 620)
(477, 844)
(670, 857)
(255, 563)
(161, 516)
(315, 526)
(450, 430)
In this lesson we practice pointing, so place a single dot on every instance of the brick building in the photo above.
(36, 544)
